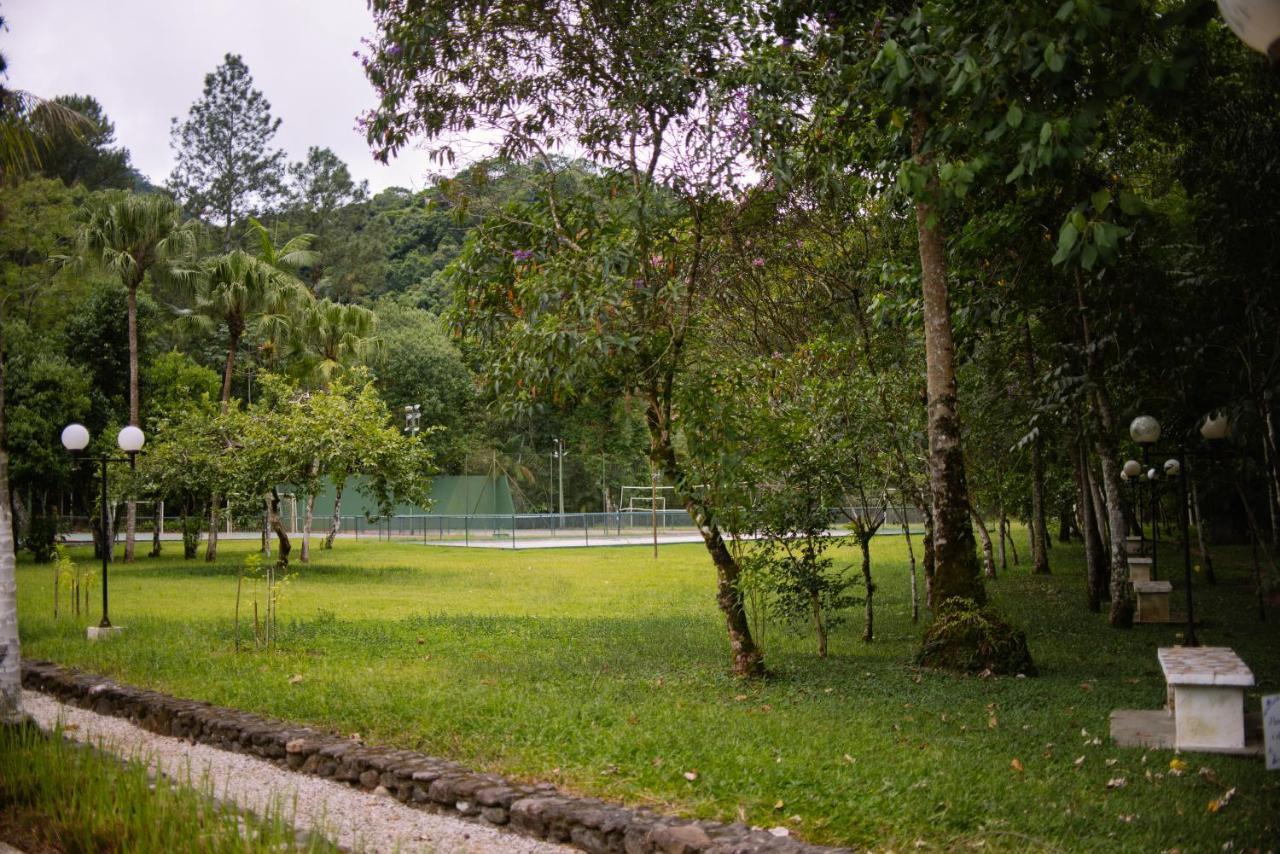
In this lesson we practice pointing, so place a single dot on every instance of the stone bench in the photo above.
(1206, 696)
(1153, 601)
(1139, 569)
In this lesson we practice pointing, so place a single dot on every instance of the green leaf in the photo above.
(1065, 10)
(1100, 200)
(1088, 256)
(1014, 116)
(1046, 132)
(1053, 59)
(1078, 220)
(903, 67)
(1067, 237)
(1130, 204)
(1016, 173)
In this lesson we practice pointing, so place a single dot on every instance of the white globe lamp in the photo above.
(75, 437)
(130, 439)
(1256, 23)
(1145, 430)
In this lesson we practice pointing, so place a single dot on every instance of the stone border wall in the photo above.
(422, 781)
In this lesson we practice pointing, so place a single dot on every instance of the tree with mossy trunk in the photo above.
(598, 299)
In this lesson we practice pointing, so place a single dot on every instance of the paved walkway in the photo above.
(352, 819)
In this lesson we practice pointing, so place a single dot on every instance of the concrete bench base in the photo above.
(1205, 696)
(1157, 730)
(1153, 601)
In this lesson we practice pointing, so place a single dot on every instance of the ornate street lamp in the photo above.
(75, 438)
(1256, 23)
(1145, 430)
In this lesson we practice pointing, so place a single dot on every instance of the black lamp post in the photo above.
(1174, 468)
(1145, 430)
(75, 438)
(1131, 473)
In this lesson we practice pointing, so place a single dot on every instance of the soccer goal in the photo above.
(646, 498)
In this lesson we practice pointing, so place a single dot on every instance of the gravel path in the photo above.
(354, 820)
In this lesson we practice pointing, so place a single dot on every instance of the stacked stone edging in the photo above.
(439, 785)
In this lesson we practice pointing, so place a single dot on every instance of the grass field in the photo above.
(55, 796)
(606, 672)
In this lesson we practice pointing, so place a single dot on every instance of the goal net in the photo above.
(646, 498)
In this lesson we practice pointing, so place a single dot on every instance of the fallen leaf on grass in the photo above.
(691, 775)
(1218, 803)
(1079, 761)
(1017, 765)
(779, 805)
(1111, 762)
(1117, 783)
(1086, 686)
(1177, 767)
(849, 759)
(740, 697)
(295, 679)
(992, 723)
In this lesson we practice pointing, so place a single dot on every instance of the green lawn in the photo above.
(56, 796)
(606, 672)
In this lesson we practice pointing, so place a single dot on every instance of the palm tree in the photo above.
(329, 337)
(25, 121)
(240, 293)
(130, 235)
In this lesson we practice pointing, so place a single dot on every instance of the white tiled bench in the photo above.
(1139, 569)
(1206, 696)
(1153, 601)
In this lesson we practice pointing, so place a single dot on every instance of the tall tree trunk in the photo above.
(819, 629)
(1122, 606)
(277, 526)
(1202, 536)
(10, 660)
(869, 618)
(988, 554)
(926, 562)
(335, 521)
(1095, 557)
(1272, 455)
(956, 573)
(157, 528)
(211, 544)
(307, 517)
(1039, 532)
(911, 555)
(266, 528)
(747, 660)
(1001, 523)
(233, 344)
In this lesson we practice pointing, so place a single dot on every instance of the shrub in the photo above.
(42, 538)
(966, 638)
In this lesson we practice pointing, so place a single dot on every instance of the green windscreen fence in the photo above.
(451, 495)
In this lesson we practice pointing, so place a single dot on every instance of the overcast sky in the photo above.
(145, 61)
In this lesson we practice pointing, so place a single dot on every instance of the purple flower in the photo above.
(639, 284)
(394, 50)
(757, 262)
(522, 254)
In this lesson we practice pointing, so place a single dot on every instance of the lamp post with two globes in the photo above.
(75, 438)
(1145, 430)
